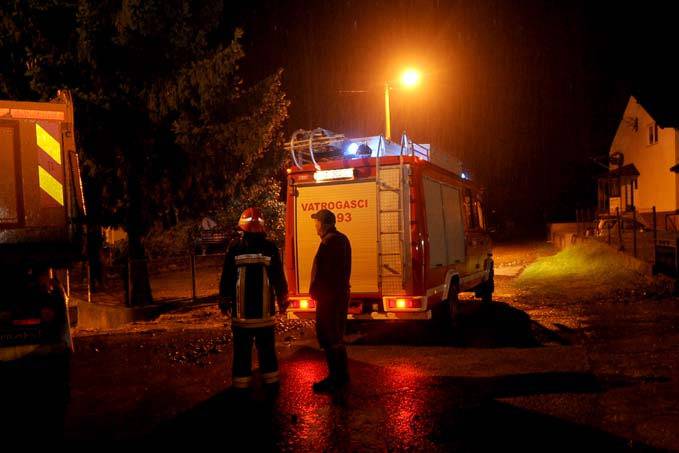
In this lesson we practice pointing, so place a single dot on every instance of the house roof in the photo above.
(626, 170)
(661, 101)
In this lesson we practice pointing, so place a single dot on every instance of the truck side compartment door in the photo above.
(474, 235)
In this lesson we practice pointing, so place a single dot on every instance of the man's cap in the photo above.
(325, 216)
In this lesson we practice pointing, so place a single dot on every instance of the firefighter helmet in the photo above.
(252, 221)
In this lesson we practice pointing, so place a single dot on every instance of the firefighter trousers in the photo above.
(265, 341)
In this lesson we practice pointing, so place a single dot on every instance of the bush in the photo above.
(265, 196)
(174, 241)
(179, 239)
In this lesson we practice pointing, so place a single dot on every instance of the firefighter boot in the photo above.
(272, 390)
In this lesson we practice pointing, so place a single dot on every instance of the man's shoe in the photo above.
(324, 386)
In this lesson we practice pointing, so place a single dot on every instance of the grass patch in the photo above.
(587, 266)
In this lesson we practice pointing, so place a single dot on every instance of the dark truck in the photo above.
(41, 212)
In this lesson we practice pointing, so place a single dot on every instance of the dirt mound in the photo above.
(587, 267)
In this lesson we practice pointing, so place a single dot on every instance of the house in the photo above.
(643, 159)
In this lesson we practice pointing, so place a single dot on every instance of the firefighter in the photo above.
(252, 281)
(330, 288)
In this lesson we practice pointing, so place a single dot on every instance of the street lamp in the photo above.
(410, 78)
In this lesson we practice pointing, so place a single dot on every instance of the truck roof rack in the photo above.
(320, 145)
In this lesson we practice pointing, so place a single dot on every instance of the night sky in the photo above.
(525, 93)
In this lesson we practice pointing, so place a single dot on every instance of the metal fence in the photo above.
(635, 233)
(189, 276)
(644, 234)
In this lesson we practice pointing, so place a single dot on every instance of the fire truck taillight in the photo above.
(303, 304)
(402, 303)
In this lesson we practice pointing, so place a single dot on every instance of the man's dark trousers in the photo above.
(331, 318)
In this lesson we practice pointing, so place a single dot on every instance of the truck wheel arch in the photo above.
(452, 281)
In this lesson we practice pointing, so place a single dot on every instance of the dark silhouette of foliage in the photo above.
(164, 121)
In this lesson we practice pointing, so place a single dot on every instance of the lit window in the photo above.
(652, 134)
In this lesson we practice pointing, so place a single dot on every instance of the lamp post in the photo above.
(409, 79)
(387, 114)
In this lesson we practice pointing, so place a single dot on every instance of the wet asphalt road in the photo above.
(418, 388)
(394, 409)
(503, 380)
(526, 372)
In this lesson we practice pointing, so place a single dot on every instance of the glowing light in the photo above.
(463, 175)
(326, 175)
(402, 303)
(304, 304)
(352, 149)
(410, 78)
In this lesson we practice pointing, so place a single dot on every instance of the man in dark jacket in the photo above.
(252, 280)
(330, 288)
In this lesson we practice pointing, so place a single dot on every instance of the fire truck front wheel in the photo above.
(452, 304)
(486, 290)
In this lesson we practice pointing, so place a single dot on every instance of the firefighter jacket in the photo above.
(332, 267)
(252, 280)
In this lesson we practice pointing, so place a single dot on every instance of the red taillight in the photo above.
(303, 304)
(403, 303)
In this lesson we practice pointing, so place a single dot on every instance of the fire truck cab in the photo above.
(414, 219)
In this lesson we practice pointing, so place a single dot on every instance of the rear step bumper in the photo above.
(374, 316)
(11, 353)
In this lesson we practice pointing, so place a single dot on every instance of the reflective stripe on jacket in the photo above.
(252, 284)
(252, 280)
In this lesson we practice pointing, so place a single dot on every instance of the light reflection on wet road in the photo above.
(395, 408)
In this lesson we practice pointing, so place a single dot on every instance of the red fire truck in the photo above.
(414, 219)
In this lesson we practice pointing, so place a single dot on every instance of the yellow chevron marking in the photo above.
(50, 185)
(48, 143)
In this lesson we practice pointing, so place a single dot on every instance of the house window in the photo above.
(652, 134)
